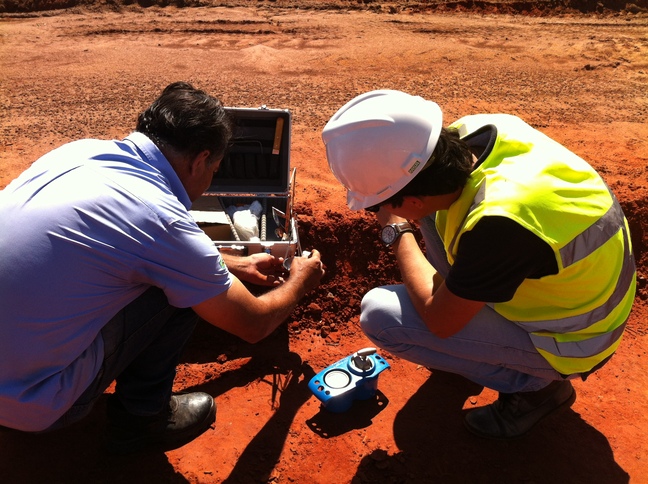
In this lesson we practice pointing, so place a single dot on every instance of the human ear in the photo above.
(412, 202)
(200, 162)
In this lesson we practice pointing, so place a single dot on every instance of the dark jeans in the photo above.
(142, 347)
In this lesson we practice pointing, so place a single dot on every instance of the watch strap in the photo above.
(402, 227)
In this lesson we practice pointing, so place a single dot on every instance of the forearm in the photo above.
(235, 264)
(275, 307)
(443, 313)
(250, 317)
(417, 273)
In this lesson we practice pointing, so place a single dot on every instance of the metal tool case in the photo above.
(256, 168)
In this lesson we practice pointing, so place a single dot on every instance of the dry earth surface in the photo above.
(580, 76)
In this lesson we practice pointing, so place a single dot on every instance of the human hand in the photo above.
(261, 269)
(308, 270)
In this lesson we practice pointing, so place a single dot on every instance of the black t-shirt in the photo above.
(495, 257)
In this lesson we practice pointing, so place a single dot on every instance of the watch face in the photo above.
(388, 235)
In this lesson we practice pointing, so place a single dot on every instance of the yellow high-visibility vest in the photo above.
(576, 317)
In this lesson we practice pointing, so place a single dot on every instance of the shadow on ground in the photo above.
(435, 446)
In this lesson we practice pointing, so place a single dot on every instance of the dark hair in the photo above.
(188, 121)
(449, 168)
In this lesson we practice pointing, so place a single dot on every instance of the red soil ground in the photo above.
(581, 77)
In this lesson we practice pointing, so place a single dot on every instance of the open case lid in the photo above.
(258, 162)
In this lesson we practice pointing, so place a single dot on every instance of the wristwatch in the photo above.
(390, 233)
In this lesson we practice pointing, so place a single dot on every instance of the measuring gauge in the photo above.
(337, 379)
(352, 378)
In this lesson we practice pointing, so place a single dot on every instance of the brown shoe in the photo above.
(187, 416)
(514, 414)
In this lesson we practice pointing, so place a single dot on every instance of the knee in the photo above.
(375, 311)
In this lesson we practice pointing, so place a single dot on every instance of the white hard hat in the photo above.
(378, 142)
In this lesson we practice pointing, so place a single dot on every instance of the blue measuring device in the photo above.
(352, 378)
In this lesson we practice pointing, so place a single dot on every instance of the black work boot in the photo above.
(187, 416)
(514, 414)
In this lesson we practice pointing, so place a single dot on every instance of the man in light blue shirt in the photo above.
(103, 273)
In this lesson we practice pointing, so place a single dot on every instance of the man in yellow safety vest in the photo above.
(528, 276)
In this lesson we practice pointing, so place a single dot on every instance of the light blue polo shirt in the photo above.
(83, 232)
